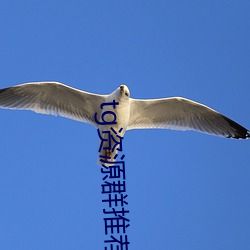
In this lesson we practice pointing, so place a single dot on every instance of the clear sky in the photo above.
(186, 190)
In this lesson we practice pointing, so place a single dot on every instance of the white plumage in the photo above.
(168, 113)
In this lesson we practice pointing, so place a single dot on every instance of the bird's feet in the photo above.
(108, 154)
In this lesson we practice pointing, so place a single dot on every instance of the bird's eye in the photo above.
(126, 93)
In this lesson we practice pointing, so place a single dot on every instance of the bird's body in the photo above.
(122, 120)
(167, 113)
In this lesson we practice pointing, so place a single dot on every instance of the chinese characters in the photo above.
(115, 201)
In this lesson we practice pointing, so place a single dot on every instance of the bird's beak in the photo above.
(122, 88)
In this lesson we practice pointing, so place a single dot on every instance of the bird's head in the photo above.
(121, 94)
(124, 91)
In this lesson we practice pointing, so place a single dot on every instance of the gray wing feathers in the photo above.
(182, 114)
(52, 98)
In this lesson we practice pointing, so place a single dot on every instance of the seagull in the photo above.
(176, 113)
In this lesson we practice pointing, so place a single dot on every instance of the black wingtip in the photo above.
(248, 134)
(239, 131)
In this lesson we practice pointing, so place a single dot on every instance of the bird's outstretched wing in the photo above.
(52, 98)
(182, 114)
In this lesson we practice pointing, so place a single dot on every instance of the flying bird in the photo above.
(175, 113)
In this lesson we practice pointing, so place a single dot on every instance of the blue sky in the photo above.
(186, 190)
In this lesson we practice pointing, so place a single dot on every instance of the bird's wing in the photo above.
(52, 98)
(182, 114)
